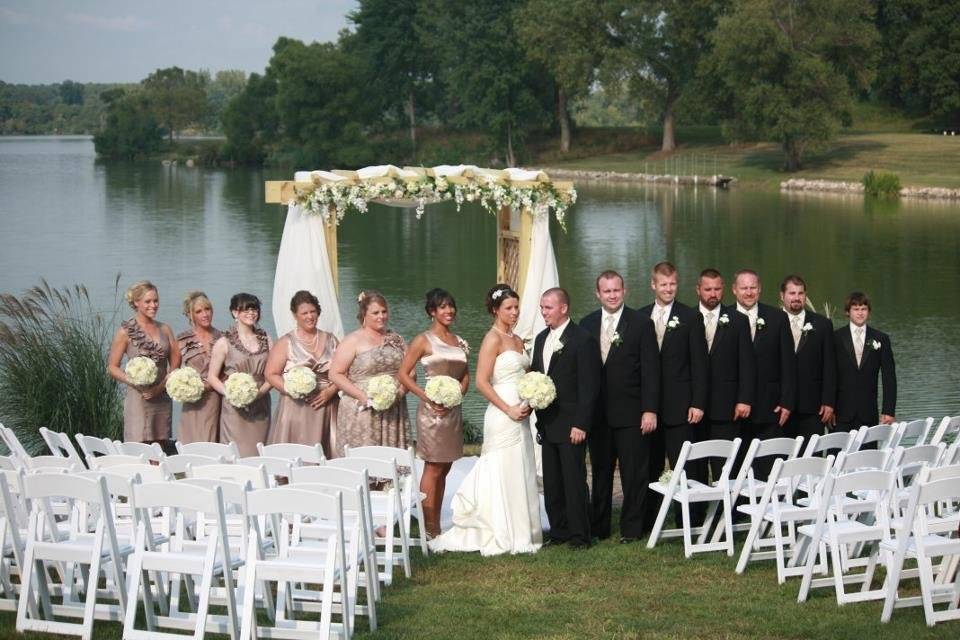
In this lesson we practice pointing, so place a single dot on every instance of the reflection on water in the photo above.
(68, 218)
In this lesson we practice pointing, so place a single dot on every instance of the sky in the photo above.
(46, 41)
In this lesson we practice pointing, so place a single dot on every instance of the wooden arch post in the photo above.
(514, 238)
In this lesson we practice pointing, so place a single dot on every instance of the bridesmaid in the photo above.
(243, 348)
(200, 420)
(369, 351)
(439, 429)
(308, 420)
(146, 411)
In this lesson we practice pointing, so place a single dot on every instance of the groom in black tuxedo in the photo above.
(571, 357)
(625, 416)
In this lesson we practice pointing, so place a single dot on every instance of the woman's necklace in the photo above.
(508, 334)
(310, 345)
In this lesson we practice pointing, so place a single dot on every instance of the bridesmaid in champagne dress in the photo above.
(370, 351)
(439, 429)
(243, 349)
(308, 420)
(200, 420)
(146, 410)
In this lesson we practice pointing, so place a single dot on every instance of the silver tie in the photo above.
(660, 325)
(858, 344)
(797, 330)
(606, 337)
(710, 327)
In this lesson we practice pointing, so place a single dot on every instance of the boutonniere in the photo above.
(724, 319)
(616, 340)
(673, 323)
(875, 345)
(807, 328)
(558, 347)
(761, 323)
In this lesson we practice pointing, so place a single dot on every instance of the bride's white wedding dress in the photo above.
(497, 507)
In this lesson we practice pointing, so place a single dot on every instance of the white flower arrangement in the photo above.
(761, 324)
(724, 319)
(444, 390)
(666, 476)
(332, 201)
(299, 382)
(616, 339)
(381, 392)
(241, 389)
(184, 385)
(537, 390)
(141, 371)
(673, 323)
(807, 328)
(875, 344)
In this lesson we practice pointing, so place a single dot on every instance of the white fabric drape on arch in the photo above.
(302, 263)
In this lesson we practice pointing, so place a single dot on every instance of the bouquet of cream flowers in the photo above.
(299, 382)
(185, 385)
(444, 390)
(537, 390)
(381, 392)
(141, 371)
(241, 389)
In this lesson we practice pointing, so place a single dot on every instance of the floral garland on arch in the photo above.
(327, 199)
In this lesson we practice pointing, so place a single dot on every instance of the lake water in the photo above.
(71, 219)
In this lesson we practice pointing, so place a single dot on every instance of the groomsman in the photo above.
(732, 367)
(684, 373)
(625, 416)
(776, 364)
(864, 355)
(816, 361)
(570, 356)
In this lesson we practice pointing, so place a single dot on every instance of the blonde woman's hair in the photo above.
(191, 299)
(137, 290)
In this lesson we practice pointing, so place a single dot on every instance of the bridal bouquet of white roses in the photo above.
(444, 390)
(141, 371)
(299, 382)
(537, 390)
(241, 389)
(185, 385)
(381, 392)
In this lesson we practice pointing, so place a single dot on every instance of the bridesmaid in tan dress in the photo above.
(439, 429)
(308, 420)
(369, 351)
(200, 420)
(146, 411)
(243, 348)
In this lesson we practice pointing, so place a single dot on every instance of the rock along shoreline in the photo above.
(838, 186)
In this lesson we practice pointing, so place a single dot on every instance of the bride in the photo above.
(497, 508)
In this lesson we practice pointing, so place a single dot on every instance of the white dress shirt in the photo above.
(660, 314)
(608, 326)
(796, 325)
(752, 313)
(858, 342)
(710, 318)
(551, 343)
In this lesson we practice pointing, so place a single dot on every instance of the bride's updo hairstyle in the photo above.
(365, 299)
(136, 291)
(436, 298)
(497, 295)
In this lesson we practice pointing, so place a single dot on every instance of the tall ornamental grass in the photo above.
(53, 354)
(881, 185)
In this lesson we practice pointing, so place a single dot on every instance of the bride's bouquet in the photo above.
(537, 390)
(299, 382)
(444, 390)
(241, 389)
(381, 392)
(141, 371)
(184, 385)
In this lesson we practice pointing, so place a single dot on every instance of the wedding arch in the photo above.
(317, 201)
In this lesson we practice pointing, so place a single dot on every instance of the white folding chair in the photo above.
(91, 447)
(886, 436)
(925, 536)
(12, 443)
(411, 498)
(10, 463)
(13, 518)
(94, 552)
(912, 460)
(915, 432)
(113, 460)
(213, 561)
(685, 491)
(387, 511)
(278, 470)
(831, 443)
(177, 465)
(152, 451)
(60, 464)
(229, 452)
(308, 454)
(948, 428)
(841, 527)
(61, 445)
(322, 563)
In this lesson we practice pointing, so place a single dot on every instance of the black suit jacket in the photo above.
(776, 362)
(575, 372)
(816, 365)
(630, 378)
(857, 390)
(684, 371)
(732, 366)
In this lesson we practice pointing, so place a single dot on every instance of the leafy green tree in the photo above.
(178, 97)
(131, 129)
(71, 92)
(224, 87)
(566, 37)
(250, 120)
(786, 69)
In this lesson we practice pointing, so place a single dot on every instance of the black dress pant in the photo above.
(804, 424)
(631, 448)
(727, 430)
(565, 491)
